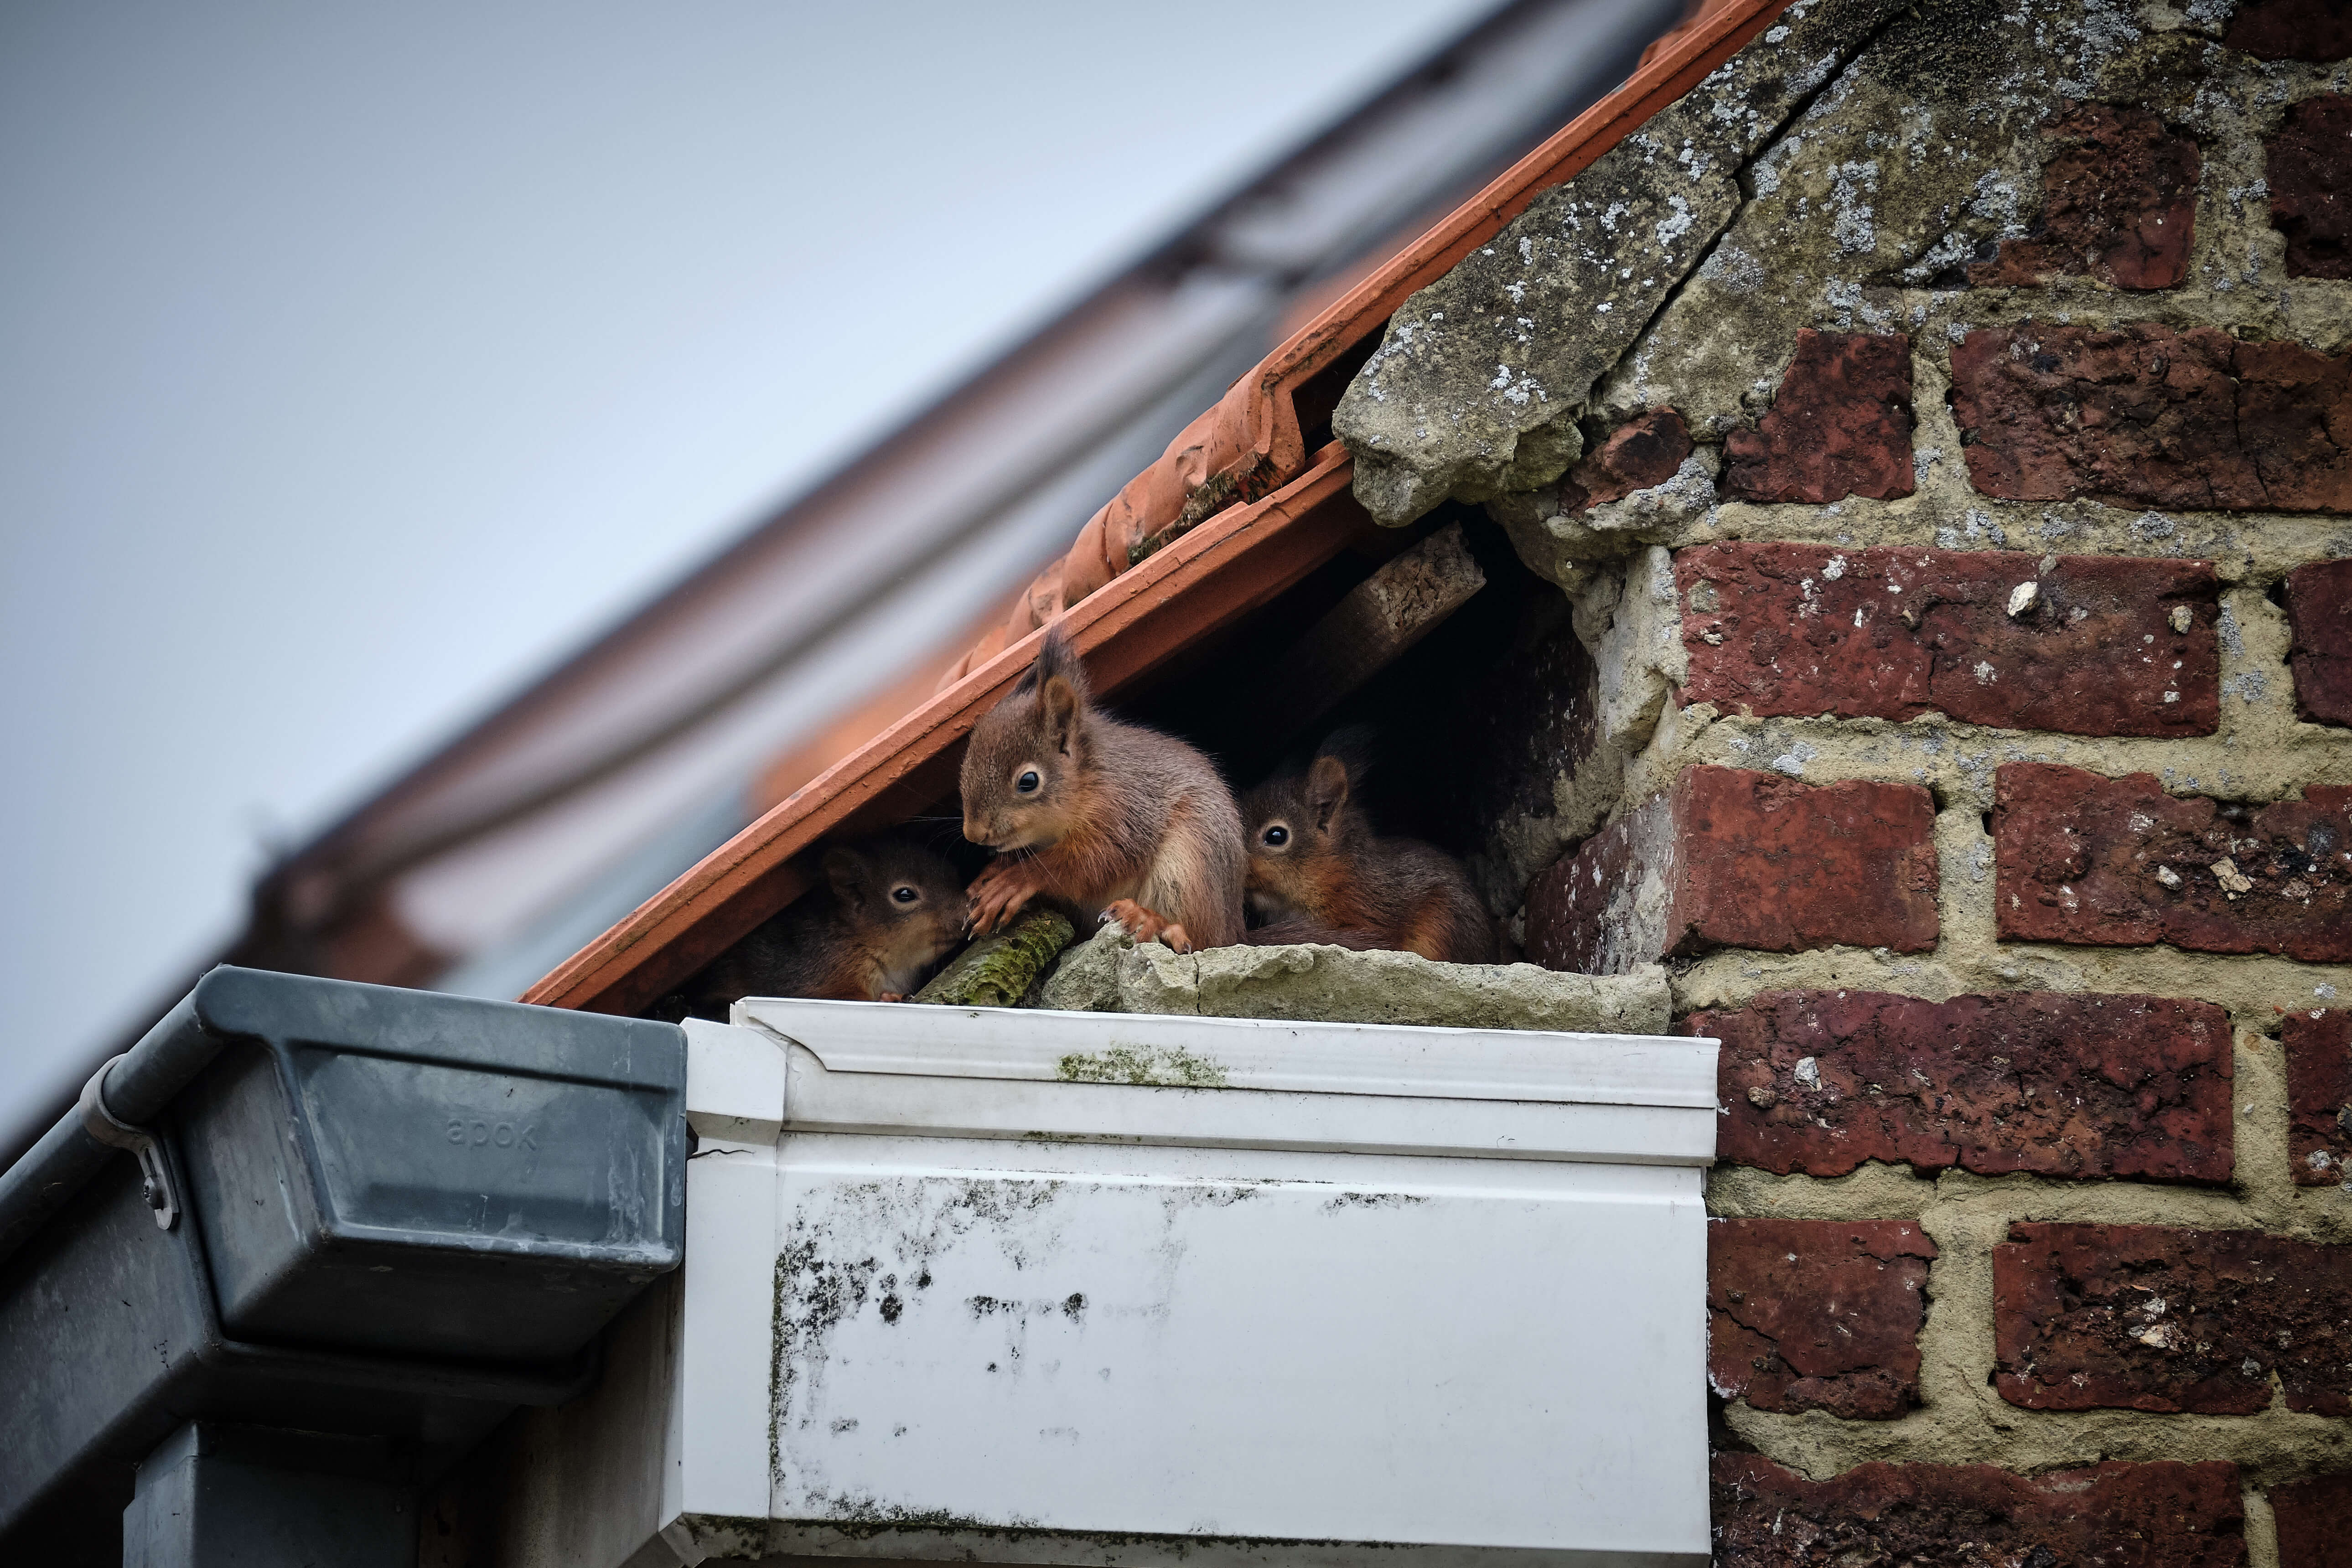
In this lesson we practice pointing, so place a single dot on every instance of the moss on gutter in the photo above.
(1170, 1066)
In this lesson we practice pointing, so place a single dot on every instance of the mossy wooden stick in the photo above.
(997, 971)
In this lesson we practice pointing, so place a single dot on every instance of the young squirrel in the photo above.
(1315, 863)
(1093, 813)
(894, 909)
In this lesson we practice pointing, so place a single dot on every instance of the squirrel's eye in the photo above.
(1278, 836)
(1028, 782)
(904, 894)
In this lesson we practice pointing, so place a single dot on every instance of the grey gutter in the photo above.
(132, 1088)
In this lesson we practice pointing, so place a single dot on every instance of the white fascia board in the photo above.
(947, 1107)
(1228, 1368)
(719, 1457)
(1358, 1088)
(734, 1083)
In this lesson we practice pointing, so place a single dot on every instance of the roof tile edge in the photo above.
(1205, 580)
(1254, 429)
(1251, 436)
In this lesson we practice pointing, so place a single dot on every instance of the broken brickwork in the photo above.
(1972, 742)
(2118, 204)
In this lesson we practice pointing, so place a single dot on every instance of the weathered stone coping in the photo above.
(1110, 974)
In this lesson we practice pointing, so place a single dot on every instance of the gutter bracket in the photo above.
(102, 1125)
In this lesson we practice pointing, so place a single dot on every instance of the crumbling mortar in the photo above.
(1985, 145)
(1743, 179)
(2261, 1531)
(2253, 548)
(2252, 989)
(2204, 18)
(2261, 753)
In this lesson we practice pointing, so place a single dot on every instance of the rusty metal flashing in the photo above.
(1122, 616)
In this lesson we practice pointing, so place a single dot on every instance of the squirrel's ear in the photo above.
(1351, 747)
(846, 869)
(1327, 790)
(1058, 660)
(1058, 703)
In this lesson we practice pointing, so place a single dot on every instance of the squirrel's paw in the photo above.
(996, 895)
(891, 996)
(1147, 925)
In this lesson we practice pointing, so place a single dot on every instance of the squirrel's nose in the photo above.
(971, 831)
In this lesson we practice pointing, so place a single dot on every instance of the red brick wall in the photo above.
(2007, 847)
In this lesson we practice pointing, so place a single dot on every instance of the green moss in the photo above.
(1236, 487)
(998, 971)
(1131, 1063)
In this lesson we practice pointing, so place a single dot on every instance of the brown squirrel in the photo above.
(1319, 874)
(890, 911)
(1093, 813)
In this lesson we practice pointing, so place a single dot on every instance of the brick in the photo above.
(1733, 858)
(1839, 425)
(2114, 1515)
(1817, 1314)
(2319, 1096)
(1645, 450)
(2118, 204)
(2079, 857)
(2315, 1521)
(2292, 29)
(2101, 648)
(2319, 609)
(2140, 415)
(2149, 1317)
(2308, 167)
(2057, 1084)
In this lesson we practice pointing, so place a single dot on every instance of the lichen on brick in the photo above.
(2118, 204)
(1475, 388)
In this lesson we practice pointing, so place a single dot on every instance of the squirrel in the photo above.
(1315, 866)
(890, 911)
(1093, 813)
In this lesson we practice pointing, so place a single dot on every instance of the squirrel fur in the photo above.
(1315, 865)
(888, 912)
(1106, 819)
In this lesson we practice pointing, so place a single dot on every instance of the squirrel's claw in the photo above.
(1148, 925)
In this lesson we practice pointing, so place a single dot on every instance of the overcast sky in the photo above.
(357, 361)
